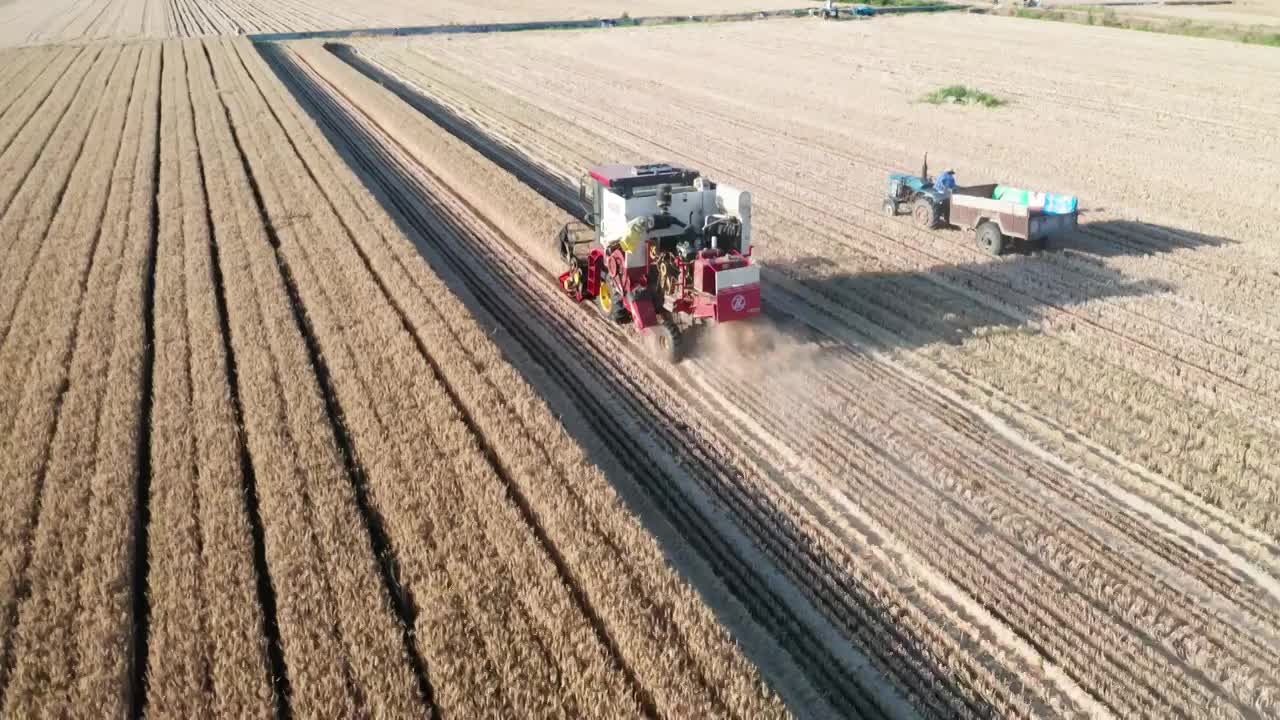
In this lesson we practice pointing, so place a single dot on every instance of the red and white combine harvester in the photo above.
(664, 249)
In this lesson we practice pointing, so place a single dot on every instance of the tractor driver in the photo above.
(946, 182)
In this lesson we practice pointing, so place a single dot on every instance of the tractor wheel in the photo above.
(924, 212)
(661, 342)
(990, 239)
(890, 208)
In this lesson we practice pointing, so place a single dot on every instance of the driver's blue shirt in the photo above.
(946, 182)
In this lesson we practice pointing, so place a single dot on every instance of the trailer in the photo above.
(998, 223)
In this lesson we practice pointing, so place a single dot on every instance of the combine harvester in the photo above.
(663, 249)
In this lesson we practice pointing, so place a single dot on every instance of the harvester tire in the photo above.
(605, 298)
(661, 343)
(990, 239)
(925, 213)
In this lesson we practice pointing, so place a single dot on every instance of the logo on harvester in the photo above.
(738, 303)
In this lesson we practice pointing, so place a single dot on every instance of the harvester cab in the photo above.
(663, 249)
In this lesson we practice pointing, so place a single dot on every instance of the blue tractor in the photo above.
(927, 205)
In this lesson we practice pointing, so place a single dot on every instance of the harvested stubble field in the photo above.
(27, 22)
(1041, 484)
(258, 459)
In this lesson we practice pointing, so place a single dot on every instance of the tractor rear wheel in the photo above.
(990, 239)
(924, 212)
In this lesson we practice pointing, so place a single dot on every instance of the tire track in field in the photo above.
(1168, 601)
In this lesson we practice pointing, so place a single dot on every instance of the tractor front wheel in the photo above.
(925, 213)
(890, 208)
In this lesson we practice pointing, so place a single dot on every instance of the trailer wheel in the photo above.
(890, 208)
(990, 239)
(924, 212)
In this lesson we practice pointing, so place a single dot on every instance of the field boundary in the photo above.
(479, 28)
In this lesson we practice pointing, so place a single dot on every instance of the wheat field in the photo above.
(297, 422)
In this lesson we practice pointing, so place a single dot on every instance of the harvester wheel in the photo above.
(572, 282)
(611, 303)
(606, 300)
(990, 239)
(890, 208)
(661, 343)
(924, 212)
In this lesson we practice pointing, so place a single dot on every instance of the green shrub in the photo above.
(1256, 37)
(959, 94)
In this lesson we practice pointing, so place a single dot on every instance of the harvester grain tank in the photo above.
(663, 249)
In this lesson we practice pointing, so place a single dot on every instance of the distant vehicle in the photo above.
(999, 216)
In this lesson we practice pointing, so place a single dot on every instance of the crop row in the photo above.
(77, 422)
